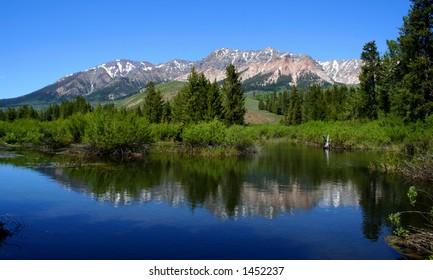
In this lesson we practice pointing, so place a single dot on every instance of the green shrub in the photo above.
(165, 131)
(76, 126)
(56, 134)
(240, 137)
(22, 131)
(116, 132)
(204, 134)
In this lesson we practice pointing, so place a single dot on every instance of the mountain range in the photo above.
(266, 69)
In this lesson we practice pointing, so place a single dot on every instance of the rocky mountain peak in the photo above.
(258, 68)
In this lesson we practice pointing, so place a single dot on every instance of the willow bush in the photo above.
(114, 132)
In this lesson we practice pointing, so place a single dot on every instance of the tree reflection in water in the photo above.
(279, 180)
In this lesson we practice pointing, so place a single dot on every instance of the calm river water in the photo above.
(287, 202)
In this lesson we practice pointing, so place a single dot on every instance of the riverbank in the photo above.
(132, 137)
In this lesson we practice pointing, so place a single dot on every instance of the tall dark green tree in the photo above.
(166, 112)
(214, 103)
(416, 60)
(153, 104)
(314, 105)
(2, 115)
(262, 105)
(389, 81)
(27, 112)
(199, 100)
(11, 114)
(369, 77)
(293, 113)
(198, 104)
(233, 97)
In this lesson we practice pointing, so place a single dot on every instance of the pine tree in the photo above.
(11, 114)
(416, 60)
(214, 104)
(166, 113)
(369, 77)
(193, 99)
(293, 113)
(262, 105)
(313, 107)
(234, 99)
(389, 80)
(153, 104)
(179, 114)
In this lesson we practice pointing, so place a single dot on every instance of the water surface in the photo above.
(287, 202)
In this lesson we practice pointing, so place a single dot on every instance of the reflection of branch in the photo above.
(9, 227)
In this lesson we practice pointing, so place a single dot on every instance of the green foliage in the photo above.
(395, 220)
(233, 97)
(214, 102)
(2, 115)
(153, 108)
(51, 113)
(313, 105)
(199, 100)
(401, 231)
(416, 58)
(166, 131)
(195, 95)
(369, 79)
(204, 134)
(217, 134)
(179, 113)
(57, 134)
(76, 126)
(293, 113)
(11, 114)
(26, 112)
(241, 138)
(256, 82)
(25, 131)
(307, 79)
(412, 195)
(111, 131)
(78, 105)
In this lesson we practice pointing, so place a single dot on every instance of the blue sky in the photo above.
(41, 41)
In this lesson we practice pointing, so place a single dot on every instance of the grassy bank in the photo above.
(109, 132)
(379, 134)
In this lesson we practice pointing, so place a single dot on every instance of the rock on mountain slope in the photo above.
(259, 70)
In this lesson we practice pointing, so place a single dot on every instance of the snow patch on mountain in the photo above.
(123, 77)
(343, 71)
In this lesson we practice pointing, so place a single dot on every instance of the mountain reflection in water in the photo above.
(283, 180)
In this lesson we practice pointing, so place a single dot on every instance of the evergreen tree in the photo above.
(262, 105)
(51, 113)
(27, 112)
(166, 112)
(234, 99)
(199, 104)
(153, 104)
(368, 78)
(293, 114)
(416, 60)
(274, 103)
(389, 77)
(313, 105)
(191, 104)
(214, 104)
(80, 105)
(11, 114)
(179, 114)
